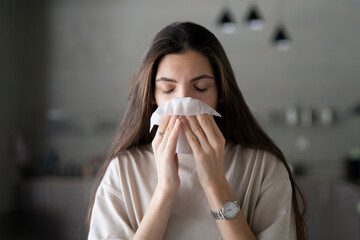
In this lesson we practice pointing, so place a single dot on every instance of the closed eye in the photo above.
(201, 89)
(168, 91)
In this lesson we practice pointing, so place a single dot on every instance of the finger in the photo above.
(215, 127)
(168, 130)
(161, 129)
(190, 136)
(163, 125)
(220, 140)
(198, 131)
(204, 122)
(173, 136)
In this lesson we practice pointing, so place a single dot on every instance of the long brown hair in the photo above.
(134, 129)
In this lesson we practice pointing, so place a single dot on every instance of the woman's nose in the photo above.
(183, 92)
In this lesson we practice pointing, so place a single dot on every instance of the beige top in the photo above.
(259, 181)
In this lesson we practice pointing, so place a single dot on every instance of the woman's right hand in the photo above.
(164, 146)
(153, 224)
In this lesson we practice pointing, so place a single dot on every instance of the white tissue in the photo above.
(182, 107)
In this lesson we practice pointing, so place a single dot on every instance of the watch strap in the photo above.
(219, 214)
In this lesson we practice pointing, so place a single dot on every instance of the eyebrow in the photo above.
(203, 76)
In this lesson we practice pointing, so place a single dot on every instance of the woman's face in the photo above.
(188, 74)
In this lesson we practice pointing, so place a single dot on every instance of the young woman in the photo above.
(235, 185)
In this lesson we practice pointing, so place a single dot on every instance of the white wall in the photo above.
(96, 47)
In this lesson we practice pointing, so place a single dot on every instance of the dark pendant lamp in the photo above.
(281, 38)
(226, 22)
(254, 19)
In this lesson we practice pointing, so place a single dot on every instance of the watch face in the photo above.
(231, 209)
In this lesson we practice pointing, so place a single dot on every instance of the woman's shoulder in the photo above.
(135, 152)
(248, 152)
(260, 160)
(135, 159)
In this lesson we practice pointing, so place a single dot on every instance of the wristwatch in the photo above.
(229, 210)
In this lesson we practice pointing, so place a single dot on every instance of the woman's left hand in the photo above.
(208, 145)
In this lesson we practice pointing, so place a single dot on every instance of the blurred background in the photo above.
(65, 71)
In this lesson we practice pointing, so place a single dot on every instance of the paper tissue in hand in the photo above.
(182, 107)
